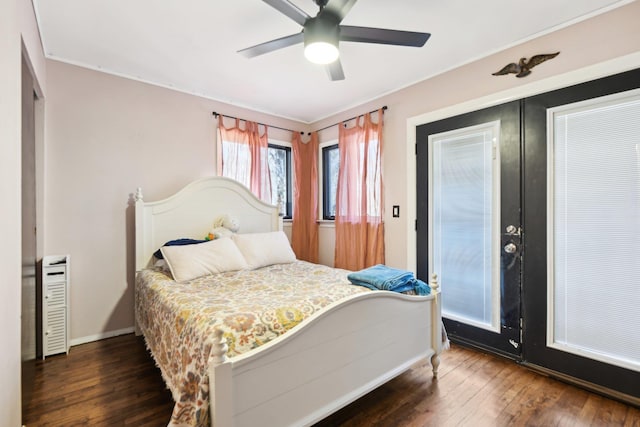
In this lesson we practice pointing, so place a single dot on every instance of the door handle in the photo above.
(510, 248)
(512, 230)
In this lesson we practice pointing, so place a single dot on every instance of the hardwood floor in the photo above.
(115, 382)
(112, 382)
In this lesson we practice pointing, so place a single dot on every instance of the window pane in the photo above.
(330, 166)
(279, 170)
(463, 221)
(595, 229)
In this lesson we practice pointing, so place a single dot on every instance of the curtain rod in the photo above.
(384, 107)
(275, 127)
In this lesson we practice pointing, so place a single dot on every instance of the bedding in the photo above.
(252, 307)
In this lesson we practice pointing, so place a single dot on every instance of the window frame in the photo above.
(287, 148)
(325, 149)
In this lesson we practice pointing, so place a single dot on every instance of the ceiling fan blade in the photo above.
(382, 36)
(335, 71)
(272, 45)
(289, 9)
(338, 8)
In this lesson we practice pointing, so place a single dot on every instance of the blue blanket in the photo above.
(381, 277)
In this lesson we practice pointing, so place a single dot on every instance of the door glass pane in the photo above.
(464, 221)
(594, 234)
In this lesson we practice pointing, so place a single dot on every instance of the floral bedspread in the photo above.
(251, 307)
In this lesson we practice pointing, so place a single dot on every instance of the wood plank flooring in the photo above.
(112, 382)
(115, 382)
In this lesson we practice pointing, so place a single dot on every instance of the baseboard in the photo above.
(101, 336)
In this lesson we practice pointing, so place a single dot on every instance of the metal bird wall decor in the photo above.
(523, 67)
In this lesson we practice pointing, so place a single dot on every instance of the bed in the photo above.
(341, 345)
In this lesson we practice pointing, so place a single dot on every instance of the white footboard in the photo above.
(317, 368)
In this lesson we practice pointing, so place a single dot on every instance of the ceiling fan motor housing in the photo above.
(322, 28)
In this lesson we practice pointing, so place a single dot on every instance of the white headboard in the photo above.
(190, 213)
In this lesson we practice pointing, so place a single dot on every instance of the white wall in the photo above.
(107, 135)
(17, 23)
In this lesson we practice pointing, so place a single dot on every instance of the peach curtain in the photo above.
(359, 204)
(243, 155)
(304, 233)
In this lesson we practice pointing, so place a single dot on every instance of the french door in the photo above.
(469, 223)
(530, 214)
(581, 274)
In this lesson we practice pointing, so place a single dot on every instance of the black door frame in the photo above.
(534, 289)
(507, 342)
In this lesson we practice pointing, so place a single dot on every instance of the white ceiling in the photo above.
(190, 45)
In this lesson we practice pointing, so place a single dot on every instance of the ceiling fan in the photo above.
(322, 33)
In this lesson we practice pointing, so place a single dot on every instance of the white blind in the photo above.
(595, 230)
(464, 217)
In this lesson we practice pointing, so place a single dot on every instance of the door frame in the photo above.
(439, 111)
(39, 144)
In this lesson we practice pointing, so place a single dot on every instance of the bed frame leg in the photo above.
(437, 325)
(435, 363)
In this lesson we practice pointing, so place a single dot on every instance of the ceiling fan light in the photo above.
(321, 52)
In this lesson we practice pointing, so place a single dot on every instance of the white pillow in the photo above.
(216, 256)
(263, 249)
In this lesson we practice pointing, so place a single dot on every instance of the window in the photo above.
(280, 172)
(330, 166)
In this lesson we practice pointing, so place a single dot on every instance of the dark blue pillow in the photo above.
(177, 242)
